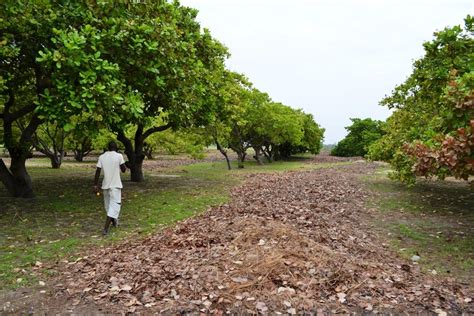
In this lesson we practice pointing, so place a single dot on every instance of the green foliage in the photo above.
(247, 117)
(110, 64)
(189, 141)
(313, 136)
(133, 68)
(282, 125)
(49, 139)
(307, 135)
(431, 131)
(362, 133)
(227, 125)
(53, 57)
(80, 138)
(101, 139)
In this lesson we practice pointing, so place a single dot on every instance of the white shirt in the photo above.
(110, 162)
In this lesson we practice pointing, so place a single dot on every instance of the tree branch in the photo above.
(21, 112)
(27, 133)
(6, 177)
(126, 142)
(138, 138)
(40, 145)
(155, 129)
(9, 104)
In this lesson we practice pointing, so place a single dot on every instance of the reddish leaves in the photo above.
(455, 154)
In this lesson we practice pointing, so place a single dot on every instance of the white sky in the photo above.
(335, 59)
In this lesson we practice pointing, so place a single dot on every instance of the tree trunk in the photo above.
(276, 155)
(240, 159)
(78, 155)
(82, 149)
(229, 167)
(55, 151)
(135, 164)
(268, 153)
(6, 178)
(223, 152)
(135, 157)
(136, 171)
(55, 158)
(134, 151)
(257, 155)
(55, 161)
(17, 180)
(148, 151)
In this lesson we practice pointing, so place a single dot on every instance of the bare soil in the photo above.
(298, 241)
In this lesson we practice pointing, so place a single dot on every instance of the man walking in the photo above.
(112, 163)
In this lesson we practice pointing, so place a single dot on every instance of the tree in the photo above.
(81, 139)
(430, 132)
(49, 139)
(166, 59)
(118, 64)
(248, 118)
(50, 69)
(283, 127)
(226, 127)
(272, 129)
(362, 133)
(312, 140)
(190, 141)
(313, 135)
(256, 121)
(227, 98)
(81, 146)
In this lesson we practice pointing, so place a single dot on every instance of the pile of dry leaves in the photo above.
(288, 243)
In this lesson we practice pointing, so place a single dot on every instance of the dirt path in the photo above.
(290, 242)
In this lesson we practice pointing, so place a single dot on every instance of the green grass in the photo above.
(433, 218)
(66, 218)
(408, 232)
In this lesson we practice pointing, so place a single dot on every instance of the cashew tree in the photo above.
(431, 130)
(164, 56)
(51, 68)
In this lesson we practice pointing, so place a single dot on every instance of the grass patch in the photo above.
(408, 232)
(66, 218)
(433, 219)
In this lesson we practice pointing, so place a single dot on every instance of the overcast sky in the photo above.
(335, 59)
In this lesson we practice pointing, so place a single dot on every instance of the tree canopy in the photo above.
(119, 64)
(362, 133)
(71, 69)
(431, 131)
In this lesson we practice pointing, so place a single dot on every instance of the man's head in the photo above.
(112, 146)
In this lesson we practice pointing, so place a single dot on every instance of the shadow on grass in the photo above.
(434, 219)
(66, 215)
(430, 195)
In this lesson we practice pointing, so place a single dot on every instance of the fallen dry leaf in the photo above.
(305, 232)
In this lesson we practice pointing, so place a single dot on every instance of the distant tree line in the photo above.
(361, 134)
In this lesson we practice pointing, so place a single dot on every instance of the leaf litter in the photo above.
(289, 242)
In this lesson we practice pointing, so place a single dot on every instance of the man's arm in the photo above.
(123, 164)
(123, 167)
(96, 180)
